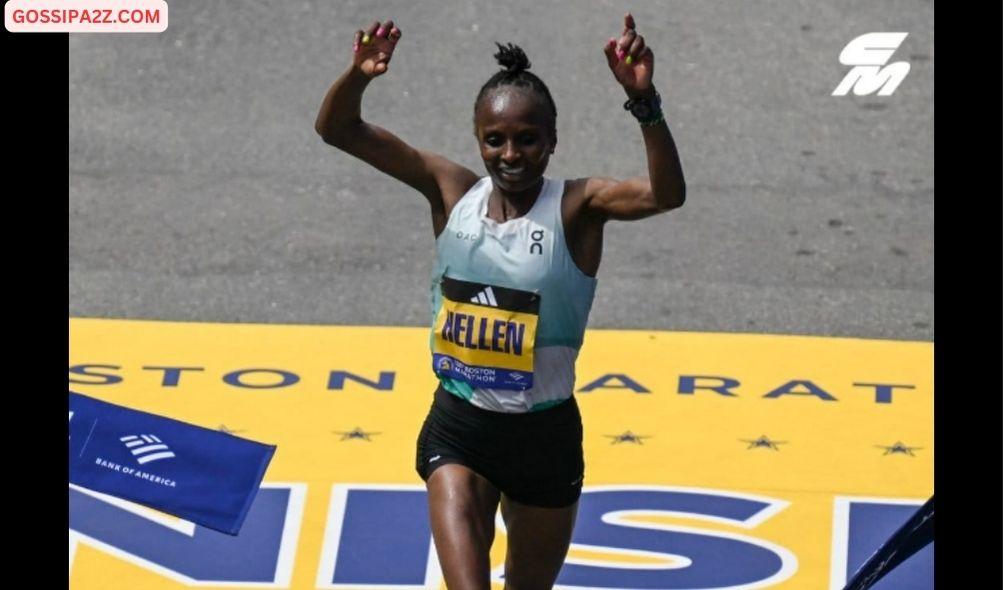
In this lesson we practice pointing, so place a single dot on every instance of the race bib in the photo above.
(484, 335)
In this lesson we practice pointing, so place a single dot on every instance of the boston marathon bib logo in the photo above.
(484, 335)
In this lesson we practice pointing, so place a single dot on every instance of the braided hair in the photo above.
(514, 60)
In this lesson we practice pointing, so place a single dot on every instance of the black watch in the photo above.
(645, 109)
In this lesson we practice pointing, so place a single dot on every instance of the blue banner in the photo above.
(201, 475)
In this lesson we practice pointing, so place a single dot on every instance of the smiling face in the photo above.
(516, 136)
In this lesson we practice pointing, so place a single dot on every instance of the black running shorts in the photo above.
(533, 458)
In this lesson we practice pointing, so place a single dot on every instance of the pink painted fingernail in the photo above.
(355, 48)
(620, 54)
(379, 32)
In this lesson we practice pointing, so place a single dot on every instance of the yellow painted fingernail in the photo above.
(366, 39)
(628, 60)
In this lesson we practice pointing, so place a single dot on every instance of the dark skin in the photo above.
(516, 137)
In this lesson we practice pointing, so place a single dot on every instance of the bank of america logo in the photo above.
(486, 297)
(146, 448)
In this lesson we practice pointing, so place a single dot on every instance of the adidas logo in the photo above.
(486, 297)
(146, 448)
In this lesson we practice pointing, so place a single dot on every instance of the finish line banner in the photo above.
(207, 477)
(712, 460)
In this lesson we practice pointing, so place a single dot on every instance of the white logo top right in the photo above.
(869, 54)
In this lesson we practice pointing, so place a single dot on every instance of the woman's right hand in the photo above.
(373, 48)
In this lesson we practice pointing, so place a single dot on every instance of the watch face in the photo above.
(641, 109)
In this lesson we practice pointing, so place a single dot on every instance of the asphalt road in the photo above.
(198, 190)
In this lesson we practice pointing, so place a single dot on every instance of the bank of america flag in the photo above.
(195, 473)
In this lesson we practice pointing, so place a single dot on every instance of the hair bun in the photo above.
(512, 58)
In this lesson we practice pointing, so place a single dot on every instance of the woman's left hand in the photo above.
(630, 60)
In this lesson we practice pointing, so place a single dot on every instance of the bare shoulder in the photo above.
(453, 180)
(450, 182)
(583, 227)
(578, 194)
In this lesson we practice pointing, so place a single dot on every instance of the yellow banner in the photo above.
(779, 449)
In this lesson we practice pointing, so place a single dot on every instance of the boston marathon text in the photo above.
(167, 376)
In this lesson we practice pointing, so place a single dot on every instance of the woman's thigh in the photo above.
(462, 507)
(538, 540)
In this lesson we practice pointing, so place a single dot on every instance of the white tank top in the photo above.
(528, 253)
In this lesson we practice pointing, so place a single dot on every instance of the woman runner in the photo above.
(513, 282)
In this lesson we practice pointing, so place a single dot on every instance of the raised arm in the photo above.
(631, 62)
(340, 124)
